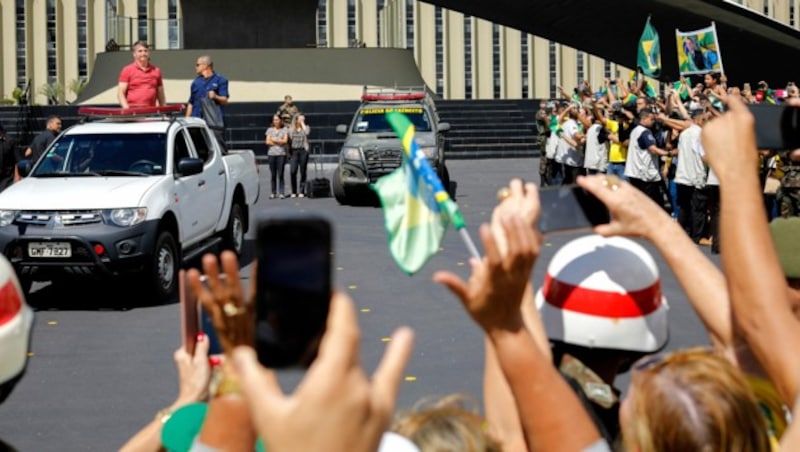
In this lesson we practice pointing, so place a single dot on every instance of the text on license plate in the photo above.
(49, 249)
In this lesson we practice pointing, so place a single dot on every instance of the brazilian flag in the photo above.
(649, 53)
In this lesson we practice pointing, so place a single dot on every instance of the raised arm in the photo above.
(755, 281)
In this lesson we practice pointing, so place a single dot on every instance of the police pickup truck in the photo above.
(371, 149)
(133, 195)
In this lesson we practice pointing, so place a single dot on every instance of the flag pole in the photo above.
(473, 251)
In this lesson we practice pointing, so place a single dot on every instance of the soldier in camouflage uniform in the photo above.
(788, 195)
(542, 130)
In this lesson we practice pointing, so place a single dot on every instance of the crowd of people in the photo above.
(626, 129)
(552, 355)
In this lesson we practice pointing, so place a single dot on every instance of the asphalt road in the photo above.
(97, 374)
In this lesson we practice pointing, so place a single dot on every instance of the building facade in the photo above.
(49, 45)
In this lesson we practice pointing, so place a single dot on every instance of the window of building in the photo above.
(496, 80)
(580, 59)
(378, 20)
(410, 24)
(322, 23)
(52, 57)
(142, 20)
(523, 41)
(439, 50)
(83, 64)
(766, 7)
(351, 24)
(22, 74)
(174, 25)
(468, 57)
(607, 69)
(553, 69)
(792, 13)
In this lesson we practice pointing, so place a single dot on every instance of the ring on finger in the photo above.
(231, 310)
(612, 182)
(502, 194)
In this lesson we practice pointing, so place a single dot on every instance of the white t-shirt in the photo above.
(690, 170)
(596, 155)
(641, 163)
(565, 153)
(712, 178)
(550, 146)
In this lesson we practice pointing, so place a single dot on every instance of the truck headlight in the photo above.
(7, 217)
(351, 153)
(128, 217)
(430, 152)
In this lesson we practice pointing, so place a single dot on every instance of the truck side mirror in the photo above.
(24, 167)
(341, 128)
(444, 127)
(189, 166)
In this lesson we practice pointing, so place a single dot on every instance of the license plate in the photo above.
(49, 249)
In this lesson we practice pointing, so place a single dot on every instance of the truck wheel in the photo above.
(164, 268)
(449, 186)
(233, 237)
(336, 187)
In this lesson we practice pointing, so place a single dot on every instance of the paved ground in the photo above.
(96, 375)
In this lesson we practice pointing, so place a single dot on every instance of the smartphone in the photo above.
(570, 207)
(194, 319)
(190, 322)
(293, 288)
(777, 126)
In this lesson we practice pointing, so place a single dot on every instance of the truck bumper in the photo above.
(97, 251)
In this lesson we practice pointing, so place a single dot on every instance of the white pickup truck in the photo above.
(130, 197)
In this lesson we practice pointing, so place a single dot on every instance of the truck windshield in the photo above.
(139, 154)
(373, 119)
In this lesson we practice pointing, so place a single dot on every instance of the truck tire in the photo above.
(233, 236)
(336, 187)
(164, 267)
(447, 184)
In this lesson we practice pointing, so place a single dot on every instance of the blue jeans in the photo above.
(617, 169)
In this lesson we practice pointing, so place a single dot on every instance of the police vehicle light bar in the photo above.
(133, 112)
(409, 96)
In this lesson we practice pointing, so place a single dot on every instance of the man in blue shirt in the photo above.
(207, 84)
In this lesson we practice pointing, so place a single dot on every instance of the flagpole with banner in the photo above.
(698, 51)
(416, 206)
(648, 56)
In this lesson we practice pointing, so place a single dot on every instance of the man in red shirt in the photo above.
(140, 83)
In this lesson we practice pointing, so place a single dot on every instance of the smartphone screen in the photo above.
(777, 126)
(293, 289)
(570, 207)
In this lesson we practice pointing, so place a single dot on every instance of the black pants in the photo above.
(654, 190)
(276, 164)
(692, 210)
(555, 172)
(571, 174)
(298, 161)
(712, 192)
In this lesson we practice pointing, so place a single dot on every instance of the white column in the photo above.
(482, 59)
(511, 63)
(453, 35)
(67, 26)
(36, 18)
(337, 23)
(425, 42)
(540, 69)
(367, 20)
(160, 29)
(8, 48)
(568, 68)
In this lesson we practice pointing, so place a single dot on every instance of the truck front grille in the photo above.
(382, 161)
(62, 218)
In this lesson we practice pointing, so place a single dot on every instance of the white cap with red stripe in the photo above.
(16, 318)
(604, 293)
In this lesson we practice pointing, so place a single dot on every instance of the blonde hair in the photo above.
(450, 423)
(693, 399)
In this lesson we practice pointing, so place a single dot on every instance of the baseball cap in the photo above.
(785, 232)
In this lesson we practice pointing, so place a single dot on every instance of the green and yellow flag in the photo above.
(416, 206)
(648, 58)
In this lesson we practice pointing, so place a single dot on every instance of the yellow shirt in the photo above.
(772, 408)
(617, 153)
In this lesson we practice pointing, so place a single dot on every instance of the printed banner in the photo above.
(698, 51)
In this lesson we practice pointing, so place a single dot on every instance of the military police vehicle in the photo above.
(372, 149)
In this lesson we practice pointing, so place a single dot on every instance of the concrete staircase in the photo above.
(480, 129)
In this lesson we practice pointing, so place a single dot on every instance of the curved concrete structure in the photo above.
(754, 47)
(259, 75)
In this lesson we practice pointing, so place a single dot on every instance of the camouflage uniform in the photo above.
(542, 130)
(788, 195)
